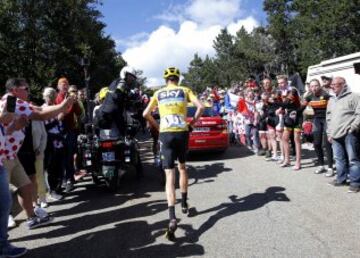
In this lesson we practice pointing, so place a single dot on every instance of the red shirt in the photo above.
(70, 120)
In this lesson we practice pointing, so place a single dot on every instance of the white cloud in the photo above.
(213, 12)
(166, 47)
(133, 41)
(249, 24)
(203, 12)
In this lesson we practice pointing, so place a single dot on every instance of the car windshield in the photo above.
(208, 112)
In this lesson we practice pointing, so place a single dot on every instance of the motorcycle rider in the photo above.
(118, 98)
(172, 102)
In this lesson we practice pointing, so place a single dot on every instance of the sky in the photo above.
(155, 34)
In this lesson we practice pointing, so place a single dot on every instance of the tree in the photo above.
(279, 18)
(42, 40)
(226, 62)
(299, 34)
(194, 77)
(255, 51)
(325, 29)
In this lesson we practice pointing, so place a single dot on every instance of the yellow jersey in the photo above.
(172, 101)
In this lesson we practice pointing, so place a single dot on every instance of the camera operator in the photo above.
(121, 97)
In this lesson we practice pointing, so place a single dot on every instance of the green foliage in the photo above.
(298, 34)
(42, 40)
(325, 29)
(236, 58)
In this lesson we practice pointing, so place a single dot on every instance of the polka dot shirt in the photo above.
(2, 137)
(14, 141)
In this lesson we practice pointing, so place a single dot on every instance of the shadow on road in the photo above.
(206, 173)
(250, 202)
(98, 219)
(233, 152)
(100, 210)
(128, 239)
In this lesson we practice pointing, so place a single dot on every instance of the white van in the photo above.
(345, 66)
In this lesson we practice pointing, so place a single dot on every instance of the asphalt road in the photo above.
(242, 206)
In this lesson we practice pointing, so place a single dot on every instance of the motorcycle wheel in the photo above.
(113, 183)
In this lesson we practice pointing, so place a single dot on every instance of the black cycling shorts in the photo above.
(262, 125)
(173, 146)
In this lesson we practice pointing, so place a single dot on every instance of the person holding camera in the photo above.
(19, 88)
(119, 98)
(70, 123)
(6, 249)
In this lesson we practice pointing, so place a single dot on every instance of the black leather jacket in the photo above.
(119, 99)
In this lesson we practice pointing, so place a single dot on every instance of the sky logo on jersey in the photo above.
(171, 95)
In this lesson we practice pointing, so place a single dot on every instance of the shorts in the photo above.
(27, 160)
(262, 126)
(296, 128)
(173, 145)
(16, 173)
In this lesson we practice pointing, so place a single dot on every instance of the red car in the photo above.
(210, 131)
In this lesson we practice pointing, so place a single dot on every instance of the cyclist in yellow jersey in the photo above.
(172, 102)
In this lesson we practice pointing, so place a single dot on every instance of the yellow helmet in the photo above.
(103, 92)
(171, 71)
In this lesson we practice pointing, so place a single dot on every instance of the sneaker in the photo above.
(185, 208)
(36, 221)
(12, 251)
(354, 189)
(276, 158)
(40, 212)
(53, 196)
(42, 203)
(268, 155)
(172, 225)
(320, 169)
(330, 172)
(280, 160)
(11, 222)
(336, 183)
(69, 187)
(261, 152)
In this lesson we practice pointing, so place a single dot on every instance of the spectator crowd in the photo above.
(38, 141)
(35, 139)
(273, 119)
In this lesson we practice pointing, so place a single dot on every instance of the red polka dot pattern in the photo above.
(11, 144)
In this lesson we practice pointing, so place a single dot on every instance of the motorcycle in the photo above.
(117, 157)
(109, 157)
(87, 151)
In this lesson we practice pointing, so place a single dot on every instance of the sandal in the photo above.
(296, 168)
(284, 165)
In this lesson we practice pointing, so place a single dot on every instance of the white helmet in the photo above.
(126, 70)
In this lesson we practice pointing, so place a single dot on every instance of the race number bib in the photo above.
(172, 121)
